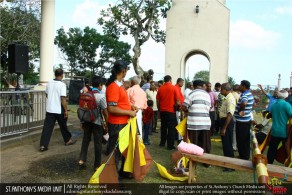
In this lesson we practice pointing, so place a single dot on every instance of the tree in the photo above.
(140, 19)
(20, 23)
(82, 46)
(70, 44)
(204, 75)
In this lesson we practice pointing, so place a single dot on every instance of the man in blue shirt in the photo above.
(243, 119)
(272, 98)
(281, 112)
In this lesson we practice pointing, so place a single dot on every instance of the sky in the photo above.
(260, 42)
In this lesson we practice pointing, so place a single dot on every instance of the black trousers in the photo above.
(273, 146)
(97, 131)
(243, 139)
(212, 117)
(227, 138)
(113, 131)
(48, 128)
(168, 124)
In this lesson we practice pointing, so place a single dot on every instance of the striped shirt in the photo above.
(244, 97)
(198, 103)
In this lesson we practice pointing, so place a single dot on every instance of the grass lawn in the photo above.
(204, 175)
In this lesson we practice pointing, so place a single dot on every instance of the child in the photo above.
(147, 117)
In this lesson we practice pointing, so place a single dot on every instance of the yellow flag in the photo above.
(95, 177)
(131, 137)
(163, 172)
(124, 138)
(182, 127)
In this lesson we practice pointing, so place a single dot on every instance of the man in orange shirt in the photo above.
(167, 99)
(119, 109)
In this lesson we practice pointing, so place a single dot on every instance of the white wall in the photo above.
(188, 32)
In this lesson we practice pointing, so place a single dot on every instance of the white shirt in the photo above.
(151, 95)
(55, 90)
(187, 92)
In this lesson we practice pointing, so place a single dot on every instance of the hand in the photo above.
(241, 113)
(132, 113)
(259, 85)
(66, 114)
(222, 132)
(134, 108)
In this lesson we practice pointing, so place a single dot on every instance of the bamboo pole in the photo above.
(259, 162)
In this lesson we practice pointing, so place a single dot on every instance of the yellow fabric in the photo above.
(95, 177)
(123, 135)
(141, 153)
(182, 127)
(185, 161)
(163, 172)
(216, 140)
(131, 135)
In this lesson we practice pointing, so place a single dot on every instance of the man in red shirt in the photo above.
(167, 99)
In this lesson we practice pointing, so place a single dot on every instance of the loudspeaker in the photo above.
(17, 58)
(74, 91)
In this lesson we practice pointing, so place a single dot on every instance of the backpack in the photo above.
(88, 109)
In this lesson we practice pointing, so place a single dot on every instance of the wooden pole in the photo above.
(259, 162)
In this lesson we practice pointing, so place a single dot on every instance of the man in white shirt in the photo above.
(56, 110)
(189, 89)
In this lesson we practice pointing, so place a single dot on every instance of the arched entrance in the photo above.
(196, 62)
(197, 27)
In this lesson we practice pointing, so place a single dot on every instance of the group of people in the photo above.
(225, 110)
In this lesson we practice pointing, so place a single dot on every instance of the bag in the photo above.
(88, 108)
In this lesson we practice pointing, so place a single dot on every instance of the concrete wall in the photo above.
(189, 33)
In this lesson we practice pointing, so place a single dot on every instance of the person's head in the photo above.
(160, 83)
(236, 88)
(180, 82)
(199, 84)
(149, 103)
(135, 80)
(208, 87)
(190, 85)
(104, 80)
(275, 94)
(217, 87)
(244, 85)
(97, 82)
(149, 78)
(167, 78)
(282, 94)
(59, 73)
(152, 85)
(225, 89)
(126, 84)
(119, 71)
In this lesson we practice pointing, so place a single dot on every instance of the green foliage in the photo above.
(202, 75)
(231, 81)
(81, 47)
(139, 19)
(20, 23)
